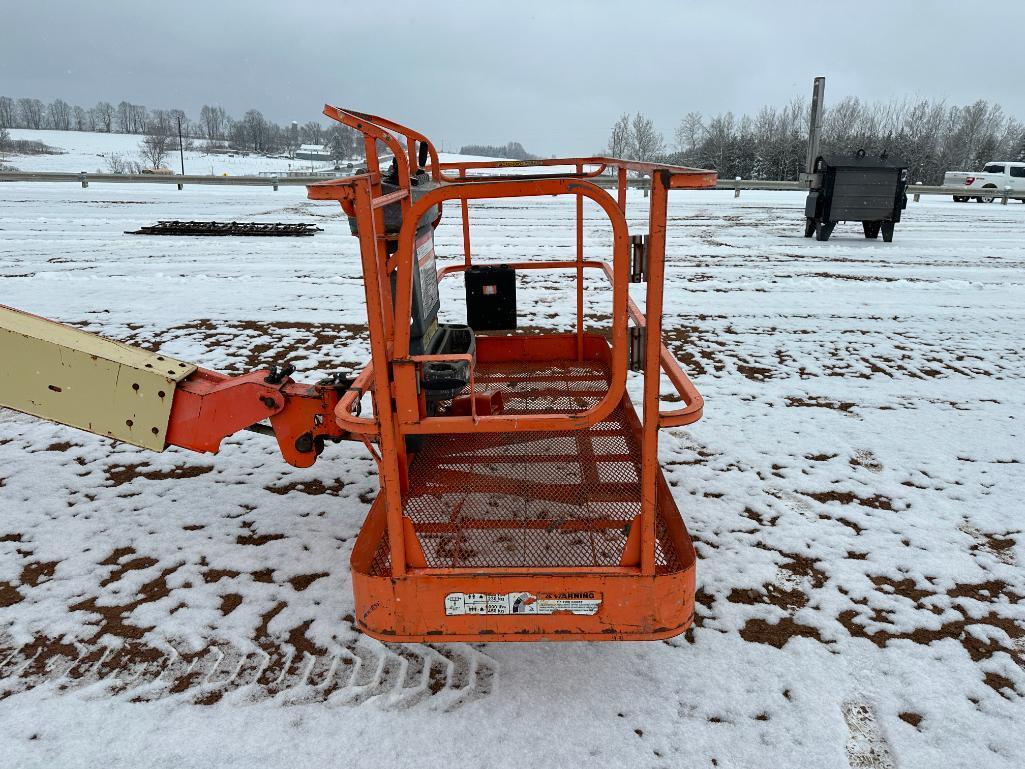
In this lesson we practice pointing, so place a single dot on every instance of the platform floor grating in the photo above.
(538, 499)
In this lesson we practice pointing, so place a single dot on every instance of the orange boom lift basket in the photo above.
(521, 496)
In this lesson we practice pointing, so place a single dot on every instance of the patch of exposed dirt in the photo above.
(910, 717)
(313, 487)
(118, 475)
(758, 630)
(303, 581)
(112, 619)
(257, 539)
(9, 595)
(33, 573)
(256, 344)
(215, 575)
(854, 621)
(875, 502)
(230, 602)
(135, 564)
(819, 402)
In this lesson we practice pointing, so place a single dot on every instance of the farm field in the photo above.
(853, 490)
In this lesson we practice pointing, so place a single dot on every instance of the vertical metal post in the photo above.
(818, 94)
(736, 187)
(464, 208)
(621, 185)
(181, 150)
(376, 313)
(652, 366)
(580, 271)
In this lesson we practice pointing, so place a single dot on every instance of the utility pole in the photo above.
(181, 149)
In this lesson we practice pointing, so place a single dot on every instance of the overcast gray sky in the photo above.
(552, 75)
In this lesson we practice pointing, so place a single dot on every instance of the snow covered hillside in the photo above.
(87, 151)
(854, 492)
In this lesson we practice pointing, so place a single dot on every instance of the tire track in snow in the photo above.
(391, 676)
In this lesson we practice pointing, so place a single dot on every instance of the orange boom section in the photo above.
(521, 495)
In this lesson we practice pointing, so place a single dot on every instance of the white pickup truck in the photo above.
(995, 176)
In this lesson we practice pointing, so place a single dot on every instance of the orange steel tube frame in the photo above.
(392, 374)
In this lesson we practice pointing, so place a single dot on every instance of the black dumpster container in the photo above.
(856, 188)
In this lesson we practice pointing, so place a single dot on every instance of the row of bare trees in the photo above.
(250, 133)
(931, 136)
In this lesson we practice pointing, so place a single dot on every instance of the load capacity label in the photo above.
(586, 603)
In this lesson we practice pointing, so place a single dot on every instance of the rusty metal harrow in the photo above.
(260, 229)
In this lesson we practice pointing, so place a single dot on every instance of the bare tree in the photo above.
(124, 117)
(236, 133)
(292, 139)
(104, 112)
(213, 121)
(648, 143)
(32, 113)
(60, 115)
(139, 118)
(160, 122)
(341, 142)
(256, 129)
(120, 164)
(689, 133)
(178, 117)
(131, 118)
(80, 118)
(620, 140)
(717, 148)
(312, 133)
(8, 113)
(156, 144)
(5, 141)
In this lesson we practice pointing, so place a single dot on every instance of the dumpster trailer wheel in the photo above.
(809, 227)
(823, 229)
(887, 232)
(871, 229)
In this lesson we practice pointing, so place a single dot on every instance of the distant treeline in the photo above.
(512, 150)
(250, 133)
(930, 136)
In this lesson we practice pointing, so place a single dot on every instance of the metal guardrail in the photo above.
(915, 190)
(86, 178)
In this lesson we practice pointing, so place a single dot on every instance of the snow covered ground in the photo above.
(854, 491)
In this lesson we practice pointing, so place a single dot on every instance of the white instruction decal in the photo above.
(586, 603)
(428, 274)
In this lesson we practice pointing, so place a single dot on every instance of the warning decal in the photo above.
(457, 604)
(428, 274)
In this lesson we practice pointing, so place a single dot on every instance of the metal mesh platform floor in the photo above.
(536, 499)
